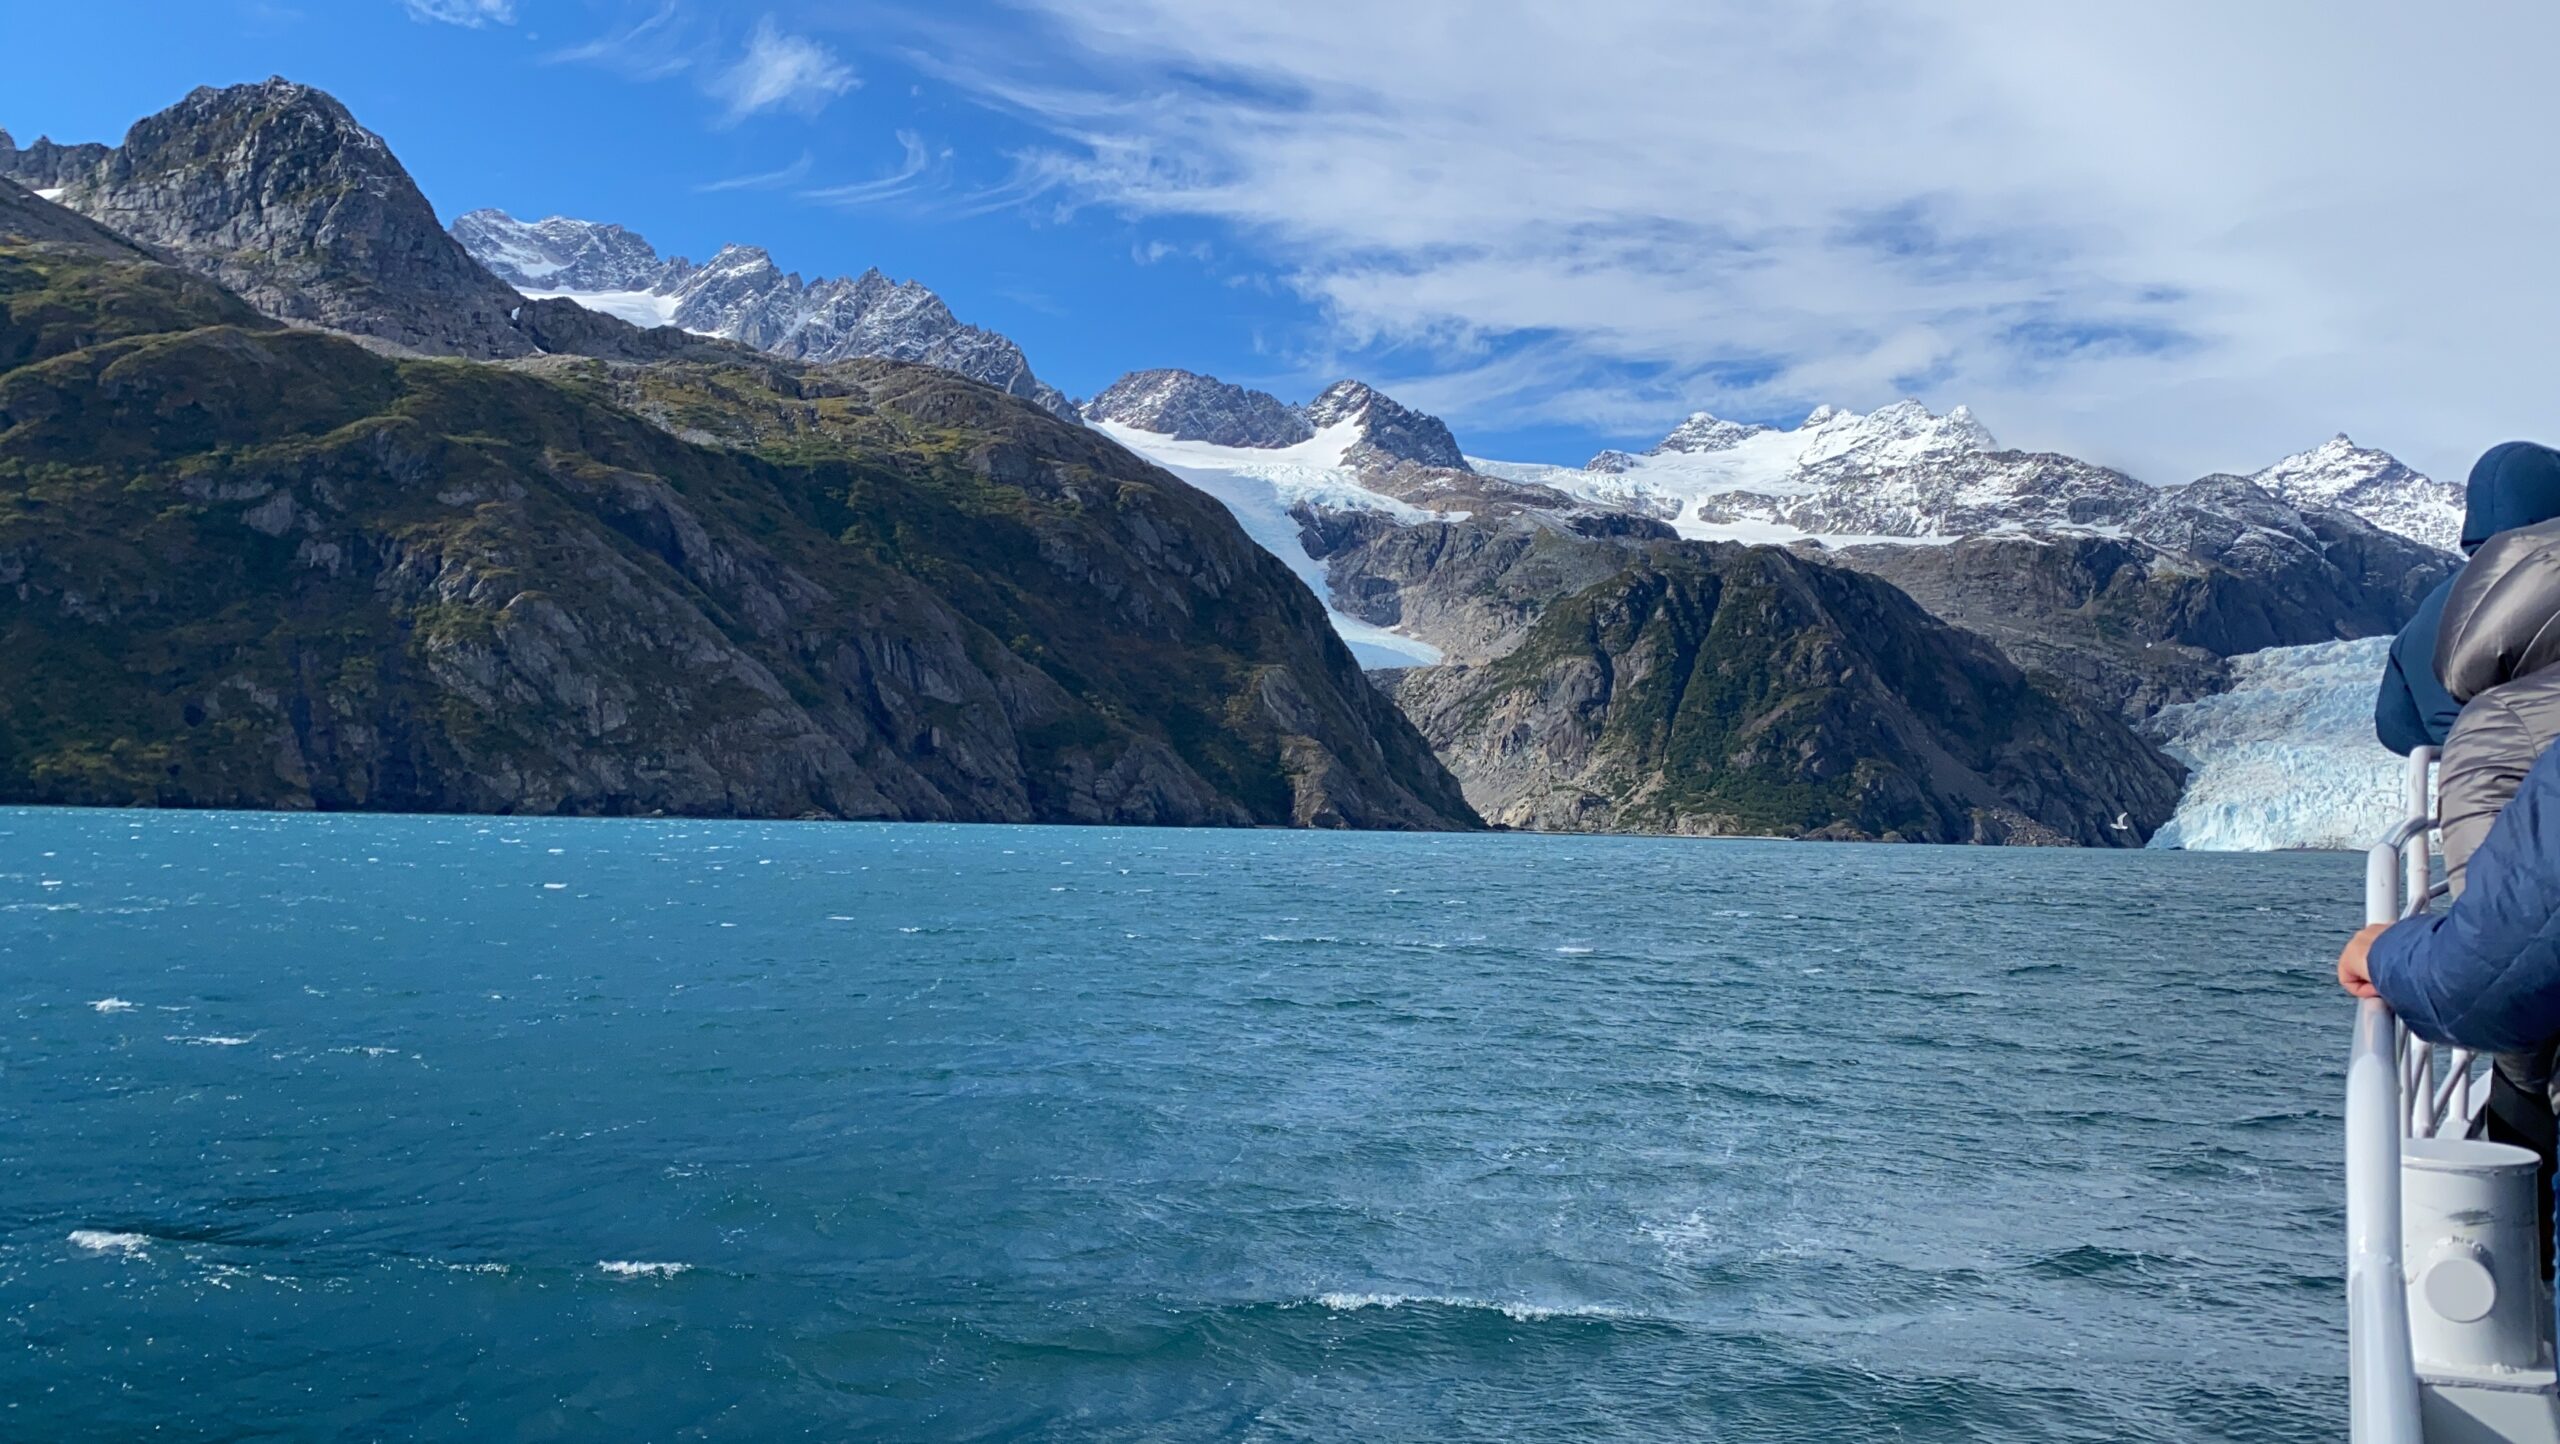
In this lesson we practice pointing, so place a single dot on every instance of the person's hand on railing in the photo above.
(2353, 974)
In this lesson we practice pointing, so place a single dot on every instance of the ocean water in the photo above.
(464, 1128)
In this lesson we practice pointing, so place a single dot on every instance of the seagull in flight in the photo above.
(2120, 824)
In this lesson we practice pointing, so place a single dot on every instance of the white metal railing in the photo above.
(2391, 1094)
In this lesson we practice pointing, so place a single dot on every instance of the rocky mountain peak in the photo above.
(46, 166)
(1893, 435)
(277, 193)
(1705, 432)
(741, 295)
(1190, 407)
(2374, 485)
(1612, 462)
(1390, 432)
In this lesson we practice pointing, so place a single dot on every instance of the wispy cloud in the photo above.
(918, 159)
(2182, 236)
(470, 13)
(651, 48)
(781, 70)
(770, 180)
(1156, 252)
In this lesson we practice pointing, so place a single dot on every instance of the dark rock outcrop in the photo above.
(1719, 689)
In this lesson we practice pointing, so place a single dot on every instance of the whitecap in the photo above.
(1573, 952)
(555, 887)
(625, 1269)
(1343, 1302)
(206, 1040)
(112, 1005)
(99, 1240)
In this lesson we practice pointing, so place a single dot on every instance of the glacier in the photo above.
(2286, 758)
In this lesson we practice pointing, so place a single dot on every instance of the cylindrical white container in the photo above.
(2466, 1226)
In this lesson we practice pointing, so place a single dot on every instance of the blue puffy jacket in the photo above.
(2485, 973)
(2513, 484)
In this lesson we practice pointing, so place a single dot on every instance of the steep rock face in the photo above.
(1470, 588)
(277, 193)
(1190, 407)
(741, 295)
(1390, 433)
(46, 165)
(1719, 689)
(250, 566)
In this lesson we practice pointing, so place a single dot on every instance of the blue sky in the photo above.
(2175, 237)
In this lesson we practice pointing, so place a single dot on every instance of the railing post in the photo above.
(2383, 1399)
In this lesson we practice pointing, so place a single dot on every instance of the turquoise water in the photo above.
(448, 1128)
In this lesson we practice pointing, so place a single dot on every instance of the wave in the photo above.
(207, 1040)
(1347, 1303)
(99, 1240)
(112, 1005)
(625, 1269)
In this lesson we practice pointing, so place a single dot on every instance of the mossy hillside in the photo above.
(1724, 689)
(227, 543)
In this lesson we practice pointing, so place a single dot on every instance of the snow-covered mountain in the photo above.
(2372, 484)
(2286, 758)
(1903, 473)
(741, 295)
(1186, 406)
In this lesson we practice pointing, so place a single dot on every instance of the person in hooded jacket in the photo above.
(2497, 655)
(2513, 484)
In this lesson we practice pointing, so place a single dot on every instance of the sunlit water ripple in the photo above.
(450, 1128)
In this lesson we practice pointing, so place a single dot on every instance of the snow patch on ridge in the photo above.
(644, 309)
(2286, 758)
(1259, 485)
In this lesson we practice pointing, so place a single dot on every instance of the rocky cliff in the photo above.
(244, 565)
(1720, 689)
(277, 193)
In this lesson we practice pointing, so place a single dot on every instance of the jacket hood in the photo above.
(2513, 484)
(2502, 617)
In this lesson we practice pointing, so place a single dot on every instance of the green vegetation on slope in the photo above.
(242, 565)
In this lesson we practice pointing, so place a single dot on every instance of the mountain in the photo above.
(2286, 758)
(45, 165)
(2372, 484)
(259, 566)
(741, 295)
(562, 255)
(1390, 434)
(274, 191)
(1720, 689)
(1189, 407)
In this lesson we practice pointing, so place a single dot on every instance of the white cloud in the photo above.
(2180, 237)
(471, 13)
(917, 160)
(788, 175)
(781, 70)
(651, 48)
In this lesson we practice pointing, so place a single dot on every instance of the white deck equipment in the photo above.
(2448, 1320)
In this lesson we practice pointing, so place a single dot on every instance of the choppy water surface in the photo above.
(438, 1128)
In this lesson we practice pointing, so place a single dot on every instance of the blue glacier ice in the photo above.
(2287, 757)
